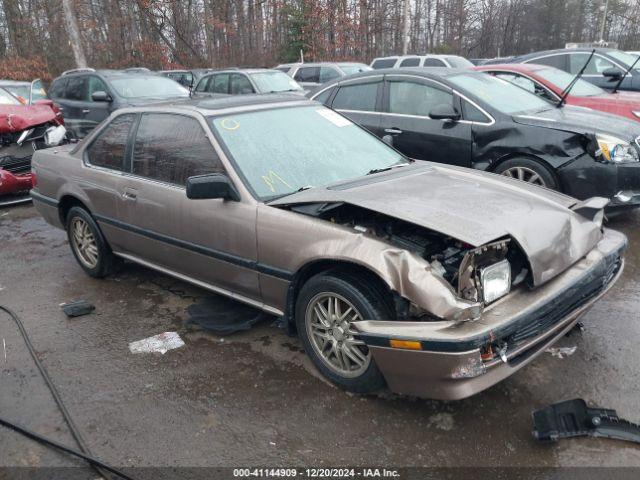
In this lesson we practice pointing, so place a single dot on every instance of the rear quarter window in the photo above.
(384, 63)
(108, 149)
(357, 97)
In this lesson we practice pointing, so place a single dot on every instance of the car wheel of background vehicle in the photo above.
(529, 171)
(325, 308)
(88, 244)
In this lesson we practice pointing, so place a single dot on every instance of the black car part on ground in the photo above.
(572, 418)
(77, 308)
(223, 316)
(85, 452)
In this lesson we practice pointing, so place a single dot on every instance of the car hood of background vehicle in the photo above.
(16, 118)
(582, 121)
(473, 207)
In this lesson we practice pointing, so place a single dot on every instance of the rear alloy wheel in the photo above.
(326, 309)
(529, 171)
(88, 244)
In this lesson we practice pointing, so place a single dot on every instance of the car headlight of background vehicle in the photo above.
(496, 280)
(615, 150)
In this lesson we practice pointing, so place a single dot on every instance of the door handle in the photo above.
(129, 194)
(86, 110)
(393, 131)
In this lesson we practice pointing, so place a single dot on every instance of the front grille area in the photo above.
(16, 158)
(574, 297)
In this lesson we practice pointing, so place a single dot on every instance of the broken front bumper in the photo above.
(443, 359)
(584, 178)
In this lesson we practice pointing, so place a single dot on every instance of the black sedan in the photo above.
(471, 119)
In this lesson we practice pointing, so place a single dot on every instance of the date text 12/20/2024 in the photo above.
(315, 473)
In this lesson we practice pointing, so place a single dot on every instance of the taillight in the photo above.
(34, 179)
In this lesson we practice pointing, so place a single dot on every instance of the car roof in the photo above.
(209, 106)
(14, 82)
(417, 71)
(519, 67)
(564, 50)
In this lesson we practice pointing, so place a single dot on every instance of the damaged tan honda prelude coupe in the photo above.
(434, 280)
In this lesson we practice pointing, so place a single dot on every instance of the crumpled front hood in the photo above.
(16, 118)
(473, 207)
(583, 121)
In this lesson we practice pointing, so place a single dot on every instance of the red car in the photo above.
(549, 83)
(24, 129)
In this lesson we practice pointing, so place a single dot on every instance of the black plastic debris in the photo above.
(573, 418)
(77, 308)
(222, 315)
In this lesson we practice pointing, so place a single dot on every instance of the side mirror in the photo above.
(212, 185)
(101, 96)
(613, 74)
(444, 112)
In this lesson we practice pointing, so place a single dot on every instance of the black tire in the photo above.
(545, 174)
(106, 261)
(369, 302)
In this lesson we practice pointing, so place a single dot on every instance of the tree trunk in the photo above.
(74, 34)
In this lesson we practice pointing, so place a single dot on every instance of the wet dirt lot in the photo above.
(253, 398)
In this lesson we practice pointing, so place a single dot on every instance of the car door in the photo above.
(240, 84)
(95, 112)
(359, 101)
(308, 76)
(594, 71)
(73, 103)
(211, 241)
(105, 158)
(407, 102)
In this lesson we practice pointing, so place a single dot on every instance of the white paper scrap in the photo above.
(161, 343)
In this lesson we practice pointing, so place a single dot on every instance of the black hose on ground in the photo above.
(84, 452)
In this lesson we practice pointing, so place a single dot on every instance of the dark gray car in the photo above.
(87, 96)
(604, 70)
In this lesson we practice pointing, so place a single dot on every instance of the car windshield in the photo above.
(625, 58)
(459, 62)
(499, 94)
(148, 86)
(7, 99)
(275, 81)
(19, 91)
(282, 150)
(562, 79)
(350, 68)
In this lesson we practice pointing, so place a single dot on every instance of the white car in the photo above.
(402, 61)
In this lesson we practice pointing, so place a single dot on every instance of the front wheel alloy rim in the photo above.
(328, 320)
(84, 242)
(525, 174)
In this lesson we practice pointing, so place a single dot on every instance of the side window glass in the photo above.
(171, 148)
(324, 96)
(433, 62)
(518, 80)
(356, 97)
(96, 85)
(411, 98)
(327, 74)
(308, 74)
(596, 66)
(202, 84)
(76, 88)
(410, 62)
(219, 84)
(108, 149)
(384, 63)
(57, 88)
(473, 114)
(557, 61)
(240, 85)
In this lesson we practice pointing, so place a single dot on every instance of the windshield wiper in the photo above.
(565, 92)
(615, 89)
(401, 163)
(302, 189)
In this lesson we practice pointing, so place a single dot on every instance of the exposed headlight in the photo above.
(636, 113)
(615, 150)
(496, 281)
